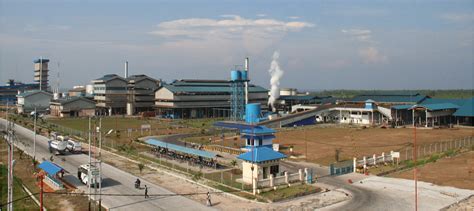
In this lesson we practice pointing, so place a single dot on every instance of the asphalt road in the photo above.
(115, 181)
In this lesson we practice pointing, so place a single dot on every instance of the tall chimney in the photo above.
(126, 69)
(247, 81)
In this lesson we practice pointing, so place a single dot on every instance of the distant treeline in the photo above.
(453, 93)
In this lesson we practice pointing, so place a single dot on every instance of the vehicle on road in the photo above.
(74, 146)
(58, 146)
(83, 174)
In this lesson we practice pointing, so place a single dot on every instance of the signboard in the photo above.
(95, 172)
(395, 154)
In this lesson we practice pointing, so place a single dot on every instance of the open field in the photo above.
(456, 171)
(356, 142)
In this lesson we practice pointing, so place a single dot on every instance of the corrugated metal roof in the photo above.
(402, 107)
(182, 149)
(390, 98)
(50, 168)
(438, 106)
(211, 87)
(28, 93)
(259, 130)
(261, 154)
(458, 102)
(467, 109)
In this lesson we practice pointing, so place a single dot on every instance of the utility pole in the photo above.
(89, 174)
(34, 136)
(11, 162)
(100, 164)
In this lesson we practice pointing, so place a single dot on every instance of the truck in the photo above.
(83, 174)
(58, 144)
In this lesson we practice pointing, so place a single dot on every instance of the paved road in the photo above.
(115, 181)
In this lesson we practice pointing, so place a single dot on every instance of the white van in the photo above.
(83, 175)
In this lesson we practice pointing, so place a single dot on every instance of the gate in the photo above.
(340, 168)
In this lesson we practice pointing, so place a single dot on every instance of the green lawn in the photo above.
(18, 192)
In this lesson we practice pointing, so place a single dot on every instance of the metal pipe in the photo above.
(247, 80)
(126, 69)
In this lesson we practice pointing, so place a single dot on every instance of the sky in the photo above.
(322, 44)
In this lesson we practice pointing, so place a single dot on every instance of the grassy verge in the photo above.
(18, 192)
(296, 190)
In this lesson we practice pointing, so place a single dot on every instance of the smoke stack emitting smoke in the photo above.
(276, 73)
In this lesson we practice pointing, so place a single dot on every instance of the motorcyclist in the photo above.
(137, 183)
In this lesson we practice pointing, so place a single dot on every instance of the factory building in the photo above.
(9, 92)
(72, 107)
(110, 94)
(117, 95)
(141, 93)
(201, 98)
(31, 100)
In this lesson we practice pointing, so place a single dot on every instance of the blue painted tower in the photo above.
(237, 95)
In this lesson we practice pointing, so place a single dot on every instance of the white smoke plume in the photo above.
(276, 73)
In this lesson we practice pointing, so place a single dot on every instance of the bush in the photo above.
(141, 166)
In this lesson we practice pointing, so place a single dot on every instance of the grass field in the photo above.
(456, 171)
(18, 192)
(321, 143)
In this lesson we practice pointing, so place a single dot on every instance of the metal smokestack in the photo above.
(247, 81)
(126, 69)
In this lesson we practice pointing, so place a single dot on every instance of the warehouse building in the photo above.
(201, 98)
(29, 101)
(72, 107)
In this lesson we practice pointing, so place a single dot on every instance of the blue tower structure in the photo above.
(237, 96)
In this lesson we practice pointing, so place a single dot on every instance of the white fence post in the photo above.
(354, 161)
(300, 171)
(254, 186)
(365, 162)
(306, 175)
(271, 181)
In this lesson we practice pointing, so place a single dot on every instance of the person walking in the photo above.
(209, 204)
(146, 192)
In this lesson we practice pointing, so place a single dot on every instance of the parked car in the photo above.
(74, 146)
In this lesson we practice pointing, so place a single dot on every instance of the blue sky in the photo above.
(322, 44)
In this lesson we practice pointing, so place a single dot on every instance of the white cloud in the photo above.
(255, 34)
(371, 55)
(458, 17)
(369, 52)
(230, 23)
(363, 35)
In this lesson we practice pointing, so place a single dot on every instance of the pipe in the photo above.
(126, 69)
(247, 81)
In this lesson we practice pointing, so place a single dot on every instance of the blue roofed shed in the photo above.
(181, 149)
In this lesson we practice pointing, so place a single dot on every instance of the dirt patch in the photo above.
(321, 143)
(457, 171)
